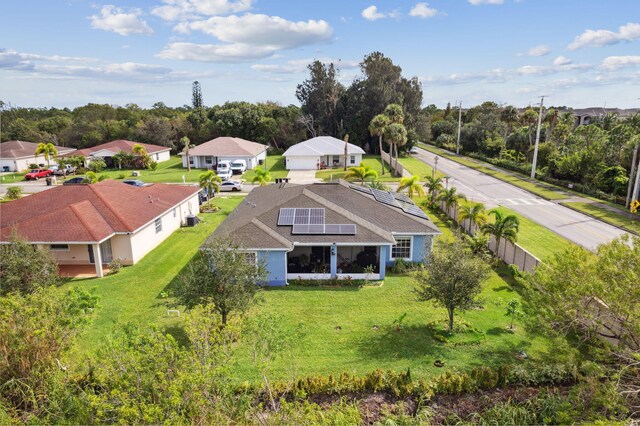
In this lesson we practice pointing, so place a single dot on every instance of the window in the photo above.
(174, 212)
(251, 256)
(402, 248)
(208, 159)
(191, 160)
(61, 247)
(157, 157)
(352, 159)
(158, 225)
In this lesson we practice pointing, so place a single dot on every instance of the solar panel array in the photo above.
(295, 216)
(360, 188)
(285, 217)
(393, 199)
(414, 210)
(325, 229)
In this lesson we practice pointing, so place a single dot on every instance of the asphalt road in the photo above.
(572, 225)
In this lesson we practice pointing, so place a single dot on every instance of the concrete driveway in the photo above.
(303, 176)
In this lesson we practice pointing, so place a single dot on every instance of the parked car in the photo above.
(238, 167)
(74, 181)
(204, 196)
(36, 174)
(413, 150)
(67, 169)
(223, 165)
(225, 174)
(230, 185)
(136, 182)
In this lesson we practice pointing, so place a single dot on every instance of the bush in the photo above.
(33, 166)
(97, 165)
(114, 266)
(153, 165)
(13, 193)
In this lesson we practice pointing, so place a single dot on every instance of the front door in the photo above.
(92, 259)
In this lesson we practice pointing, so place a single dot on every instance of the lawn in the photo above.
(417, 167)
(275, 165)
(541, 190)
(608, 216)
(12, 177)
(372, 161)
(133, 295)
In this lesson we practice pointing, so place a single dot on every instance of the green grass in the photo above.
(133, 295)
(372, 161)
(521, 182)
(417, 167)
(608, 216)
(275, 165)
(12, 177)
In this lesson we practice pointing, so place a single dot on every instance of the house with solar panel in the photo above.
(328, 230)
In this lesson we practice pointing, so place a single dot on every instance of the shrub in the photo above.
(399, 266)
(13, 193)
(153, 165)
(33, 166)
(97, 165)
(114, 266)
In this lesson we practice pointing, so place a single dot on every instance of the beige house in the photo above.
(208, 154)
(16, 156)
(94, 224)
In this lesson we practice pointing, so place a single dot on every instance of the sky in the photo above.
(67, 53)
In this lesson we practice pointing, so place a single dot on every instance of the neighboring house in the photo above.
(328, 230)
(107, 150)
(321, 152)
(208, 154)
(16, 156)
(93, 224)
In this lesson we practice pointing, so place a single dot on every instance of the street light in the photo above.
(535, 151)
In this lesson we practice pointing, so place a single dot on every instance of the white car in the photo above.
(413, 150)
(230, 185)
(238, 167)
(225, 174)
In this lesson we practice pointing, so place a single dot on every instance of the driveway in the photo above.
(303, 176)
(477, 186)
(28, 186)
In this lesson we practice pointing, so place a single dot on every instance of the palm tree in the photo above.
(92, 177)
(504, 226)
(395, 113)
(451, 197)
(376, 184)
(361, 173)
(376, 128)
(262, 177)
(433, 185)
(187, 144)
(395, 134)
(476, 214)
(210, 182)
(412, 185)
(477, 243)
(48, 150)
(139, 150)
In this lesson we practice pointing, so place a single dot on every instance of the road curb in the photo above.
(600, 219)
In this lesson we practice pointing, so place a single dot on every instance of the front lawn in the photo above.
(372, 161)
(167, 171)
(418, 167)
(275, 165)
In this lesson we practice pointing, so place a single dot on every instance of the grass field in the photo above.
(275, 165)
(372, 161)
(608, 216)
(417, 167)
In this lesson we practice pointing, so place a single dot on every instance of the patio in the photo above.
(80, 271)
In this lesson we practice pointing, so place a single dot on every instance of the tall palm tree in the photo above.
(451, 197)
(504, 226)
(433, 185)
(262, 177)
(187, 145)
(395, 134)
(376, 128)
(395, 113)
(48, 150)
(361, 173)
(412, 185)
(476, 214)
(210, 182)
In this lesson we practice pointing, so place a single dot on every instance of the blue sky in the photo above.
(69, 53)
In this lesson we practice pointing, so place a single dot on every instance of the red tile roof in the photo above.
(88, 213)
(22, 149)
(120, 145)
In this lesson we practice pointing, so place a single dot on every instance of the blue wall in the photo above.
(420, 246)
(275, 263)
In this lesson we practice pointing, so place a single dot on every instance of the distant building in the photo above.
(107, 150)
(208, 154)
(321, 152)
(16, 156)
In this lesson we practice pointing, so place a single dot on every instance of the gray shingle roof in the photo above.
(254, 223)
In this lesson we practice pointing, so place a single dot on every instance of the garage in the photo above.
(302, 163)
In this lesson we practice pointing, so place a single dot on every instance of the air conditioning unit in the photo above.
(192, 221)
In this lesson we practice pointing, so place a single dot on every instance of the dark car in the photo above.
(74, 181)
(136, 182)
(204, 196)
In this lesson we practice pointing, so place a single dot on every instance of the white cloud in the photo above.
(115, 19)
(371, 13)
(479, 2)
(540, 50)
(616, 62)
(599, 38)
(297, 66)
(422, 10)
(246, 37)
(561, 60)
(174, 10)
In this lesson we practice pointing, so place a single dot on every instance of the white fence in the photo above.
(400, 171)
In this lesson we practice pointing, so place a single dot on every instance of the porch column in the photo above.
(383, 254)
(333, 265)
(97, 256)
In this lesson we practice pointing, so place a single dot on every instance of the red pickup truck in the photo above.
(36, 174)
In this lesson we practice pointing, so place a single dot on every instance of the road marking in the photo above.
(525, 202)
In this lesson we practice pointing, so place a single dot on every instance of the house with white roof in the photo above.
(321, 152)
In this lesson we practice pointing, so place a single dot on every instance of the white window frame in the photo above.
(251, 254)
(191, 160)
(352, 159)
(158, 223)
(157, 156)
(403, 237)
(61, 248)
(208, 160)
(175, 212)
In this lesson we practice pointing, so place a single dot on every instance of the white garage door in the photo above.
(302, 163)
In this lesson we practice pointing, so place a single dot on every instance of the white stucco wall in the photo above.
(121, 248)
(78, 254)
(161, 156)
(22, 164)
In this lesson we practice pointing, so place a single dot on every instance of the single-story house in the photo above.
(321, 152)
(328, 230)
(225, 148)
(107, 150)
(16, 156)
(94, 224)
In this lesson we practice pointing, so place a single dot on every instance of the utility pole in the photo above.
(631, 176)
(636, 188)
(459, 125)
(535, 151)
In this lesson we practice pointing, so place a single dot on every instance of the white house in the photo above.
(208, 154)
(107, 150)
(16, 156)
(94, 224)
(321, 152)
